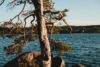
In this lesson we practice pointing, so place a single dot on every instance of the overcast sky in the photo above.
(81, 12)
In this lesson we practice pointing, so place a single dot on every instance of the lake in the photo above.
(85, 49)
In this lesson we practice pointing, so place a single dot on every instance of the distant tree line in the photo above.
(57, 29)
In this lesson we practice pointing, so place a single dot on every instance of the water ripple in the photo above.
(85, 49)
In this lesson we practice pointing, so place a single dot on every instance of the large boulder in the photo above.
(33, 59)
(58, 62)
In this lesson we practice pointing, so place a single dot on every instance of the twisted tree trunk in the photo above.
(44, 42)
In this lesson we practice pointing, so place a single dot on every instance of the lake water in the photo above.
(85, 49)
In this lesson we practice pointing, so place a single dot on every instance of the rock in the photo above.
(77, 65)
(58, 62)
(33, 59)
(28, 59)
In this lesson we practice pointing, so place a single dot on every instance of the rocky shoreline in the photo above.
(34, 59)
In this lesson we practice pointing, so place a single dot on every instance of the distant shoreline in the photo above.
(62, 33)
(58, 30)
(80, 33)
(85, 33)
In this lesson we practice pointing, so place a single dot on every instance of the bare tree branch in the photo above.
(21, 11)
(2, 2)
(58, 12)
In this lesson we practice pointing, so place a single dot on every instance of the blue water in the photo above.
(85, 49)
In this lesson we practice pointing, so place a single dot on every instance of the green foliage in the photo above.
(18, 43)
(59, 40)
(59, 46)
(64, 12)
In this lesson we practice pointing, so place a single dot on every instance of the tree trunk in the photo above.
(42, 31)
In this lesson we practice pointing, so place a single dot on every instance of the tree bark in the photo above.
(42, 31)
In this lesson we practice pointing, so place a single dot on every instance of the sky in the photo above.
(81, 12)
